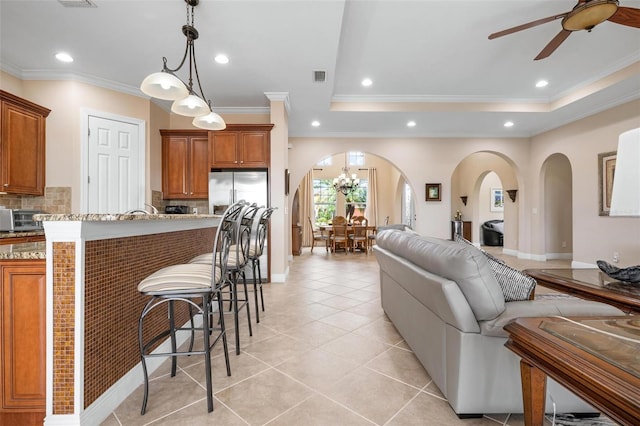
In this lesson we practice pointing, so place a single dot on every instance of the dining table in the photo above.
(370, 230)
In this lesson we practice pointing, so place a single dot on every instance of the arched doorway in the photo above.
(479, 187)
(316, 199)
(557, 200)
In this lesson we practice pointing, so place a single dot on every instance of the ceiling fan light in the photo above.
(191, 106)
(163, 85)
(211, 121)
(588, 15)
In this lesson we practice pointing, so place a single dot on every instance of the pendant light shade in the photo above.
(191, 106)
(211, 121)
(164, 85)
(625, 196)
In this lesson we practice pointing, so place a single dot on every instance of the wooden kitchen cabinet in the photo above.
(22, 145)
(22, 356)
(185, 164)
(240, 146)
(19, 240)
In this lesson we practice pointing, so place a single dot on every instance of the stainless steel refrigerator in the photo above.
(226, 186)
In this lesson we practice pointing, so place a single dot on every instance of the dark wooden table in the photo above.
(591, 284)
(597, 358)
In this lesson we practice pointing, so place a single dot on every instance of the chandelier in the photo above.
(343, 183)
(166, 85)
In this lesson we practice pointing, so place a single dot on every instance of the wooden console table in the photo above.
(591, 284)
(594, 357)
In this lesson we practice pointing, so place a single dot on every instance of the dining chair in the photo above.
(318, 235)
(358, 235)
(339, 237)
(357, 220)
(339, 220)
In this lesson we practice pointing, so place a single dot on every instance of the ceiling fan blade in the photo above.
(628, 16)
(553, 44)
(527, 25)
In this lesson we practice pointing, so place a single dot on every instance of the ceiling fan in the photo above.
(584, 16)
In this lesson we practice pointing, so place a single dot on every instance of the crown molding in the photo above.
(280, 96)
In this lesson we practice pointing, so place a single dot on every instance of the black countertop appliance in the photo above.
(176, 209)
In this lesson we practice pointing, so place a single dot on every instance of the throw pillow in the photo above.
(514, 284)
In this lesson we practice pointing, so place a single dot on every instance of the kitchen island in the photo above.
(93, 266)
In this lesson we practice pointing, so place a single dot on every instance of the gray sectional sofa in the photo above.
(444, 299)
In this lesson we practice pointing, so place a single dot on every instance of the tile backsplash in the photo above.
(201, 205)
(55, 200)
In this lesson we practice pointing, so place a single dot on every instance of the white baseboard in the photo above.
(559, 256)
(280, 278)
(583, 265)
(62, 420)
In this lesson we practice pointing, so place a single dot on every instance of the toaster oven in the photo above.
(15, 220)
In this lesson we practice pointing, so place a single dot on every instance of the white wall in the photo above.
(423, 160)
(594, 237)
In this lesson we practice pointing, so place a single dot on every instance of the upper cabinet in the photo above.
(240, 146)
(185, 164)
(22, 145)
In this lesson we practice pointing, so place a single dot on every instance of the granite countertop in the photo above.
(119, 216)
(23, 251)
(21, 234)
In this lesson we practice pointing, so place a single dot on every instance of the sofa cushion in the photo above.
(515, 284)
(466, 266)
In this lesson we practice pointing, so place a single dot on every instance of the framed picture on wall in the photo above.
(497, 200)
(432, 191)
(606, 169)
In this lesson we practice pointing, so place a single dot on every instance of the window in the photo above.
(355, 158)
(357, 200)
(324, 200)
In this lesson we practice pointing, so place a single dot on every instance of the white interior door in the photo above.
(114, 179)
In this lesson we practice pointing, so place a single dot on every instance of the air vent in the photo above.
(77, 3)
(319, 76)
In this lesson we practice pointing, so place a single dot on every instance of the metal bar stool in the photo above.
(257, 249)
(198, 286)
(241, 222)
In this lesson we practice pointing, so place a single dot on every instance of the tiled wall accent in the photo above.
(55, 200)
(63, 318)
(113, 269)
(11, 201)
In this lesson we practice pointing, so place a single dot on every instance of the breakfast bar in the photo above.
(94, 263)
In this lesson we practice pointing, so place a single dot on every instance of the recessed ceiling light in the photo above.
(411, 124)
(508, 124)
(542, 83)
(315, 123)
(367, 82)
(221, 59)
(64, 57)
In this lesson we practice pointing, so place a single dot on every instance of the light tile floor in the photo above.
(324, 353)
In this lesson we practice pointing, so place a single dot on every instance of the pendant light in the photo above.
(168, 86)
(345, 183)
